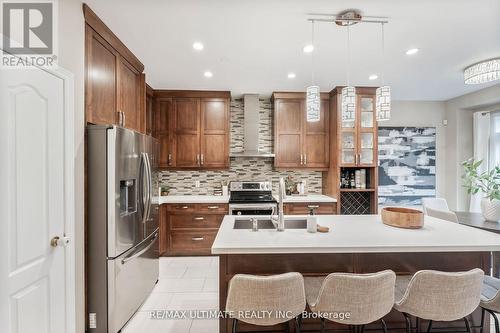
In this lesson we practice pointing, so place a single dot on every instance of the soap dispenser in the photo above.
(312, 224)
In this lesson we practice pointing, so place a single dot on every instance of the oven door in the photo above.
(253, 209)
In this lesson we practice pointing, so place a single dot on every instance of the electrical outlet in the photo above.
(92, 320)
(197, 184)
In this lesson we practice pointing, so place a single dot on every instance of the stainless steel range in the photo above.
(252, 198)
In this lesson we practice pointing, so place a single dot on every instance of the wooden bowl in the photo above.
(402, 217)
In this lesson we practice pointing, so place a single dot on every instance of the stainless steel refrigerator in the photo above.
(122, 224)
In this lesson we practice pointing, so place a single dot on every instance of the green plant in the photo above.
(487, 182)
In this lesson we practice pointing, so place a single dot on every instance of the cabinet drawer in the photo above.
(213, 208)
(303, 208)
(188, 221)
(173, 208)
(186, 241)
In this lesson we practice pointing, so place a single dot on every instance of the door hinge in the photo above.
(92, 320)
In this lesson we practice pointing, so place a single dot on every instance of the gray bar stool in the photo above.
(273, 296)
(439, 296)
(490, 299)
(366, 297)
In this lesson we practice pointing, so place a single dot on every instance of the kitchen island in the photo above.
(359, 244)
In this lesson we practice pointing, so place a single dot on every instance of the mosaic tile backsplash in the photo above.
(241, 169)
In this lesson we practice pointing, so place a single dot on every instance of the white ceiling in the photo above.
(251, 45)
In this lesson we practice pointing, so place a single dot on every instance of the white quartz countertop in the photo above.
(355, 234)
(193, 199)
(307, 198)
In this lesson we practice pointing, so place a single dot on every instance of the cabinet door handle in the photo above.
(121, 120)
(182, 207)
(305, 159)
(301, 159)
(199, 218)
(124, 119)
(197, 238)
(202, 159)
(198, 159)
(169, 159)
(313, 206)
(213, 207)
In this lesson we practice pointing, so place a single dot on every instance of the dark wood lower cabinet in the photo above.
(322, 264)
(303, 208)
(189, 229)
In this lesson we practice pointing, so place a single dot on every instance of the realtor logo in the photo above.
(28, 33)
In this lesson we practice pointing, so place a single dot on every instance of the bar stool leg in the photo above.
(322, 325)
(467, 324)
(384, 326)
(417, 324)
(429, 327)
(235, 324)
(362, 329)
(408, 322)
(482, 321)
(497, 328)
(297, 324)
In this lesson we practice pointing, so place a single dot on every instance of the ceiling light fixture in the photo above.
(308, 48)
(313, 100)
(291, 75)
(373, 77)
(348, 104)
(383, 93)
(198, 46)
(482, 72)
(208, 74)
(412, 51)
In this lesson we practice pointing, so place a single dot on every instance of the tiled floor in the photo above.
(185, 283)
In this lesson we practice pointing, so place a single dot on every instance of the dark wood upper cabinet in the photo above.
(298, 143)
(193, 129)
(214, 133)
(100, 92)
(162, 123)
(149, 110)
(115, 91)
(288, 143)
(187, 132)
(129, 96)
(317, 138)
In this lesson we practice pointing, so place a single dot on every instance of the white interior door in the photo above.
(35, 285)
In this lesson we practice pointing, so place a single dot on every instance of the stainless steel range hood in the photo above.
(251, 129)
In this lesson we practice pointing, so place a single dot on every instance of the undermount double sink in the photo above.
(266, 223)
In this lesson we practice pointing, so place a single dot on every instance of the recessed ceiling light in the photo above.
(208, 74)
(411, 51)
(308, 48)
(291, 75)
(198, 46)
(373, 77)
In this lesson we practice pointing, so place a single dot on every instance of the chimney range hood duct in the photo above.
(251, 128)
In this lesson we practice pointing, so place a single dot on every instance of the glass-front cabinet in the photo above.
(357, 145)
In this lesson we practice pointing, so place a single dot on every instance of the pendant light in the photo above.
(383, 93)
(313, 100)
(348, 94)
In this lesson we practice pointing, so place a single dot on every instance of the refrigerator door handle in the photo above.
(139, 253)
(145, 194)
(150, 182)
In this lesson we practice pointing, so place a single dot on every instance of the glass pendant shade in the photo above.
(348, 95)
(383, 103)
(483, 72)
(313, 103)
